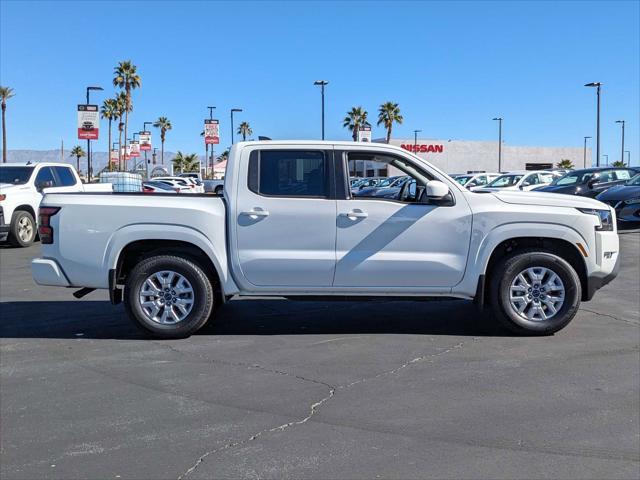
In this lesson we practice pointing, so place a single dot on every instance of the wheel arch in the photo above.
(561, 247)
(25, 207)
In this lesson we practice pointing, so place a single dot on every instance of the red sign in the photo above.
(423, 148)
(145, 141)
(211, 132)
(88, 122)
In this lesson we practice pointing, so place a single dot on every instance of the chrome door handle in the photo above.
(256, 213)
(356, 214)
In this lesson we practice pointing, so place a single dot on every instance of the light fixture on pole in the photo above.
(597, 85)
(622, 148)
(584, 153)
(415, 141)
(89, 166)
(322, 83)
(233, 110)
(499, 120)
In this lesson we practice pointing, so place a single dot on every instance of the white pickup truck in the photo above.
(287, 225)
(22, 186)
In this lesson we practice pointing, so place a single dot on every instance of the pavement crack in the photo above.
(628, 322)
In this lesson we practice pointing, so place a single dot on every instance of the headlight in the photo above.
(632, 201)
(605, 217)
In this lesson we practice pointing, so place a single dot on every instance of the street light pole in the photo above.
(415, 141)
(499, 119)
(628, 157)
(584, 153)
(146, 161)
(153, 155)
(233, 110)
(88, 140)
(622, 149)
(597, 85)
(208, 161)
(607, 161)
(322, 83)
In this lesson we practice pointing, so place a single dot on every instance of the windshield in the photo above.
(386, 182)
(463, 179)
(575, 178)
(505, 181)
(634, 182)
(15, 175)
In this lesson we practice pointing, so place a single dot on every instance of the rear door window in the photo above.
(46, 175)
(65, 176)
(289, 173)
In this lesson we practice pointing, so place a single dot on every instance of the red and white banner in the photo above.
(113, 155)
(126, 153)
(88, 122)
(211, 132)
(145, 141)
(135, 148)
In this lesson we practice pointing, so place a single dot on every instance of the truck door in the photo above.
(285, 217)
(396, 238)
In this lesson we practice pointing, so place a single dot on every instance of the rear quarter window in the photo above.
(65, 176)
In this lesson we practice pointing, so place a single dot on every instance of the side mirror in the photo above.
(591, 183)
(437, 190)
(42, 185)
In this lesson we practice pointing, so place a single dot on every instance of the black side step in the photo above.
(82, 292)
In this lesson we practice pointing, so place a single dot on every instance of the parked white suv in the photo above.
(288, 225)
(22, 186)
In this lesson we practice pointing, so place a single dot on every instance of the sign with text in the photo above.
(423, 148)
(135, 148)
(113, 155)
(88, 122)
(364, 133)
(145, 141)
(211, 132)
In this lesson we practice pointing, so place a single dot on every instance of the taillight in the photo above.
(177, 190)
(147, 189)
(45, 230)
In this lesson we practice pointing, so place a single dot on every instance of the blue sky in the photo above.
(452, 67)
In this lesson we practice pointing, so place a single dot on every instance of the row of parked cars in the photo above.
(616, 186)
(182, 183)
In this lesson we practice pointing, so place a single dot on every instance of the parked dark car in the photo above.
(369, 191)
(393, 190)
(625, 199)
(589, 182)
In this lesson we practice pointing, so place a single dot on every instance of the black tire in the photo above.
(203, 296)
(218, 190)
(500, 286)
(21, 217)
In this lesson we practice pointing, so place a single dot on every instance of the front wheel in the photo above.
(535, 293)
(168, 296)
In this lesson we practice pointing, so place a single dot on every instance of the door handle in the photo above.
(356, 214)
(256, 213)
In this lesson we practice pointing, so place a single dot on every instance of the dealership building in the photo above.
(462, 156)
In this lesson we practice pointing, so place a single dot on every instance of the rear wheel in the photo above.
(218, 190)
(169, 296)
(23, 229)
(535, 293)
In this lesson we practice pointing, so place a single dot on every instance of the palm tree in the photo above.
(356, 118)
(618, 163)
(5, 93)
(185, 163)
(125, 76)
(388, 113)
(121, 104)
(566, 164)
(164, 124)
(78, 152)
(109, 110)
(244, 129)
(224, 156)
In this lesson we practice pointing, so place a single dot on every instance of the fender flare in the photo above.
(149, 232)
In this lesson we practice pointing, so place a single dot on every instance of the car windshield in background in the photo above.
(15, 175)
(634, 181)
(573, 179)
(505, 181)
(386, 182)
(463, 179)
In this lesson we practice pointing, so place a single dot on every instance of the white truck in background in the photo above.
(288, 225)
(22, 186)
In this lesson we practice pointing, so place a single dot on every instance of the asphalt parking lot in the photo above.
(280, 389)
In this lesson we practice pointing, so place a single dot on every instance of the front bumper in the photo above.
(4, 227)
(47, 272)
(596, 282)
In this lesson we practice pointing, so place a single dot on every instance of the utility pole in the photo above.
(622, 149)
(322, 83)
(584, 153)
(499, 119)
(597, 85)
